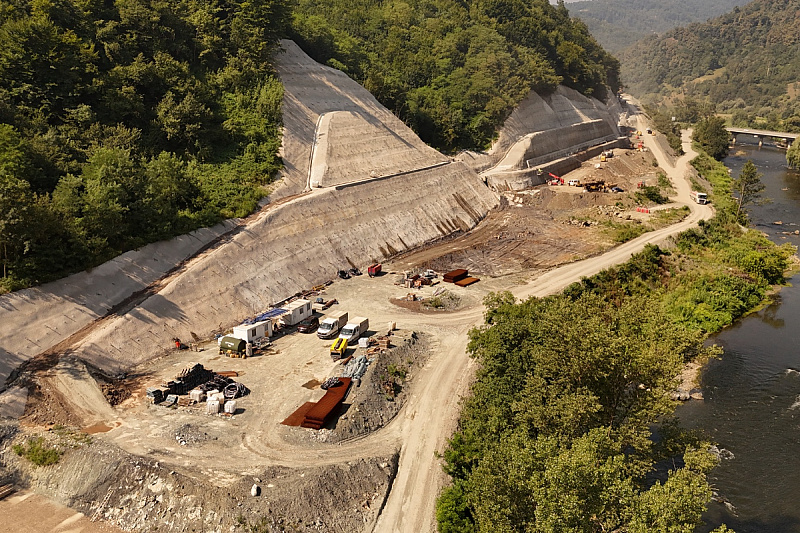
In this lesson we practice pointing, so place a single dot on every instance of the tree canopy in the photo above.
(747, 187)
(793, 155)
(454, 70)
(127, 122)
(712, 136)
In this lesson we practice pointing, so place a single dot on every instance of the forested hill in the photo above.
(454, 69)
(129, 121)
(126, 122)
(617, 24)
(746, 62)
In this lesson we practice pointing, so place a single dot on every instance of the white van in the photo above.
(574, 183)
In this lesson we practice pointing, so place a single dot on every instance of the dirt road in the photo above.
(430, 416)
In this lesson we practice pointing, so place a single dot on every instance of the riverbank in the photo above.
(554, 372)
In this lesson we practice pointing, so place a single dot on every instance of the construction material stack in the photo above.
(189, 378)
(460, 277)
(455, 275)
(321, 412)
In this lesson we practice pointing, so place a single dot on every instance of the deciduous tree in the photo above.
(711, 134)
(747, 188)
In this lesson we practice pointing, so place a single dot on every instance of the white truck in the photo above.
(331, 324)
(699, 197)
(354, 329)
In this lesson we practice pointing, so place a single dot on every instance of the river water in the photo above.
(752, 394)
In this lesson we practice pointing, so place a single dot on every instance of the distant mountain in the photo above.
(617, 24)
(746, 62)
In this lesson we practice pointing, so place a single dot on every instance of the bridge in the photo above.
(788, 138)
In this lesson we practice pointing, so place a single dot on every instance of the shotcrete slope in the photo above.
(359, 137)
(307, 239)
(542, 130)
(35, 319)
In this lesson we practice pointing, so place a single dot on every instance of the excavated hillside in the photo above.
(305, 241)
(358, 186)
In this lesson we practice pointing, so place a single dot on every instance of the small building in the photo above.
(296, 312)
(253, 332)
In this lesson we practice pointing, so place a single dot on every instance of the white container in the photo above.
(363, 342)
(230, 406)
(218, 397)
(212, 407)
(197, 395)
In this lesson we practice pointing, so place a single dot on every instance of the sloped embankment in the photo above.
(337, 127)
(412, 195)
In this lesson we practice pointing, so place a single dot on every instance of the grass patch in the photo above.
(665, 217)
(620, 233)
(38, 452)
(647, 195)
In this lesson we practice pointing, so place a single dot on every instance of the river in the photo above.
(752, 393)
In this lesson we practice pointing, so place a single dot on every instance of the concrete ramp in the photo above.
(546, 128)
(351, 147)
(336, 132)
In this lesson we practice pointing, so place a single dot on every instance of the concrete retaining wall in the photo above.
(525, 179)
(298, 245)
(35, 319)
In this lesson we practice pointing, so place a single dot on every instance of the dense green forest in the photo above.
(558, 432)
(126, 122)
(617, 24)
(746, 63)
(453, 70)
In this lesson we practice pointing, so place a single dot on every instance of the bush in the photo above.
(628, 232)
(38, 452)
(651, 194)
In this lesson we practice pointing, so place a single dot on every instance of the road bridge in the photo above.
(788, 138)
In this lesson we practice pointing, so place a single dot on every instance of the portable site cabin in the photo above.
(253, 332)
(296, 312)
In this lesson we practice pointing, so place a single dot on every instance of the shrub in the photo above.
(628, 232)
(38, 452)
(651, 194)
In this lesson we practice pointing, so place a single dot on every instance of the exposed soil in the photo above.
(547, 226)
(141, 494)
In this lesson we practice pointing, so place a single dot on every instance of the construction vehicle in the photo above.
(338, 348)
(331, 324)
(354, 329)
(595, 186)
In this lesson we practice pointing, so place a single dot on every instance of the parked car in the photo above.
(308, 325)
(617, 189)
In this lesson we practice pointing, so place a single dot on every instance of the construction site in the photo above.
(300, 369)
